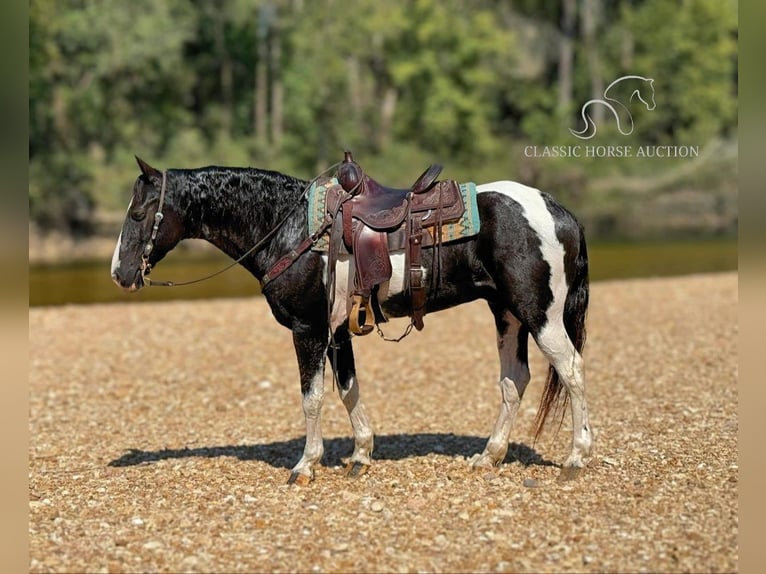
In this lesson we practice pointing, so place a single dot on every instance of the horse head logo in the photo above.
(639, 87)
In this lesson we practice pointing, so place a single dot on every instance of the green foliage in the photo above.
(694, 63)
(59, 195)
(289, 84)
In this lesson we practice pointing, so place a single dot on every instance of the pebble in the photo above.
(610, 461)
(376, 506)
(153, 545)
(530, 482)
(137, 521)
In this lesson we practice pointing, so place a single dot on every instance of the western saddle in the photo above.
(372, 220)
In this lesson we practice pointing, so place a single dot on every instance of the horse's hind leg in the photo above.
(342, 358)
(568, 363)
(512, 339)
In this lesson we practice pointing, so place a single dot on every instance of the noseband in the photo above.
(146, 267)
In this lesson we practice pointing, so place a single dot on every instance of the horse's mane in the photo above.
(239, 189)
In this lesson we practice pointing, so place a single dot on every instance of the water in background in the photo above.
(90, 282)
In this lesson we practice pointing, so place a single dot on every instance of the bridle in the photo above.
(280, 266)
(146, 267)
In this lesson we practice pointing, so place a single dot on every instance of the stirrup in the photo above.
(361, 320)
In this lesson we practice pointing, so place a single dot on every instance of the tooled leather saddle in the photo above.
(372, 220)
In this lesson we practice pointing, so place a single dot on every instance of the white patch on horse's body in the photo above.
(396, 284)
(344, 284)
(344, 287)
(541, 221)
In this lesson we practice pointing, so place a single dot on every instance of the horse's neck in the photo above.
(234, 208)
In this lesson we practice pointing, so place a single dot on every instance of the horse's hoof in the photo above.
(482, 463)
(356, 469)
(299, 479)
(569, 473)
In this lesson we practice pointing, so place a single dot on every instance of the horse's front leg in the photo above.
(341, 356)
(310, 349)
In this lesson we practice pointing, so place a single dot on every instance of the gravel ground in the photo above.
(162, 437)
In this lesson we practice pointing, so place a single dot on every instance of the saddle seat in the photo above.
(378, 206)
(376, 220)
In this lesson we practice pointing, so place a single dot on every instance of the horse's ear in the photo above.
(148, 170)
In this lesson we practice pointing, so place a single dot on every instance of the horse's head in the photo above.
(646, 95)
(152, 227)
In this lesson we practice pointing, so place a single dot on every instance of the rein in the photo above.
(281, 265)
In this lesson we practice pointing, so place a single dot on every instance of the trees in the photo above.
(694, 63)
(103, 75)
(289, 83)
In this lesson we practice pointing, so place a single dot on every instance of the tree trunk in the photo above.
(354, 88)
(277, 88)
(590, 19)
(60, 119)
(566, 58)
(261, 80)
(226, 73)
(387, 110)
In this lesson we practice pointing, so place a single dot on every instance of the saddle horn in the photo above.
(350, 173)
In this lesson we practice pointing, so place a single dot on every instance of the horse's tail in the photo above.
(575, 310)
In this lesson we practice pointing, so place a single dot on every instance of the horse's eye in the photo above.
(138, 214)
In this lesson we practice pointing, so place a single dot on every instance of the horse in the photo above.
(529, 262)
(610, 101)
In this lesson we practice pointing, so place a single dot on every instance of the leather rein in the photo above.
(277, 269)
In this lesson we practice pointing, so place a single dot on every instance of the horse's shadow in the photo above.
(283, 454)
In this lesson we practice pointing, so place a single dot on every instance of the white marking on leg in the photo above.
(514, 377)
(363, 435)
(559, 350)
(312, 410)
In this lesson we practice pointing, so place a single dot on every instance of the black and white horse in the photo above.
(529, 262)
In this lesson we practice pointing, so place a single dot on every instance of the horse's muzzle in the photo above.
(128, 284)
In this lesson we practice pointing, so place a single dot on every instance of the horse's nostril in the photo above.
(117, 278)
